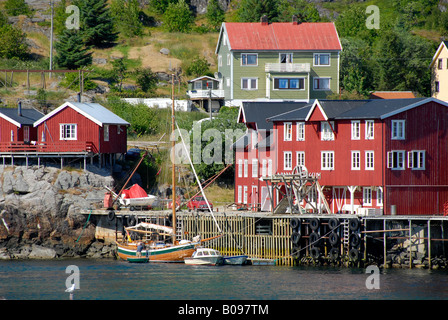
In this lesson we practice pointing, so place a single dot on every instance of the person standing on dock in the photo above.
(139, 249)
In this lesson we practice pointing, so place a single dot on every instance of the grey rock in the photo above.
(39, 252)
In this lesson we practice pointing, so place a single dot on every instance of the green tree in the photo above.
(12, 43)
(126, 14)
(97, 26)
(178, 17)
(352, 23)
(305, 12)
(120, 70)
(146, 79)
(60, 16)
(215, 15)
(253, 10)
(160, 6)
(71, 52)
(17, 7)
(198, 67)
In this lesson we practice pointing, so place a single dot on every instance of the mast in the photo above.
(173, 164)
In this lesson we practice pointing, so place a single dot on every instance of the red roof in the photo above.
(283, 36)
(392, 95)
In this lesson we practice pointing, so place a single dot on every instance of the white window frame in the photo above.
(370, 129)
(229, 59)
(219, 60)
(287, 160)
(300, 135)
(327, 160)
(370, 160)
(249, 84)
(418, 156)
(240, 194)
(398, 130)
(264, 164)
(356, 160)
(245, 59)
(254, 168)
(287, 133)
(288, 88)
(286, 54)
(300, 158)
(317, 57)
(379, 197)
(72, 133)
(356, 130)
(106, 132)
(395, 160)
(246, 165)
(240, 168)
(318, 87)
(245, 194)
(326, 130)
(367, 196)
(269, 167)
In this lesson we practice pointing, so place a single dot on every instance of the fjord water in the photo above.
(119, 280)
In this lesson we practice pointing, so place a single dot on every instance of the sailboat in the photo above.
(156, 251)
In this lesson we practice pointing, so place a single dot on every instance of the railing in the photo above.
(42, 147)
(205, 94)
(287, 67)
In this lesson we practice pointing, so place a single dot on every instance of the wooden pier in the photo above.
(290, 239)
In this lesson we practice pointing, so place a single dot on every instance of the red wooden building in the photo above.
(383, 156)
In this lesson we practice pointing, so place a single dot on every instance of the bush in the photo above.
(178, 17)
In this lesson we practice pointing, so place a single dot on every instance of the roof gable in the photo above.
(27, 116)
(308, 36)
(316, 113)
(93, 111)
(443, 45)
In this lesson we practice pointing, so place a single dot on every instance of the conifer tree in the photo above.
(71, 51)
(97, 26)
(253, 10)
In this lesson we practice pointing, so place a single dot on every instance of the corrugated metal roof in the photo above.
(282, 36)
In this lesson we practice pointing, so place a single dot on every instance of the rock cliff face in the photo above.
(39, 211)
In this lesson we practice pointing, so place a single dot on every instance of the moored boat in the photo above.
(235, 260)
(205, 256)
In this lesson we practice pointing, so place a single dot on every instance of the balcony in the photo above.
(205, 94)
(287, 67)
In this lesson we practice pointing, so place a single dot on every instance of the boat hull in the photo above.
(175, 253)
(211, 261)
(236, 260)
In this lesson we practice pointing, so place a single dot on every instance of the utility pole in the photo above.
(51, 38)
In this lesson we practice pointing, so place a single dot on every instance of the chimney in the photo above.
(295, 20)
(19, 109)
(264, 20)
(79, 96)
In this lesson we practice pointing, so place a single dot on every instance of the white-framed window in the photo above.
(416, 159)
(398, 129)
(321, 83)
(287, 160)
(326, 130)
(249, 83)
(12, 135)
(219, 60)
(254, 168)
(249, 59)
(240, 194)
(370, 160)
(270, 167)
(106, 132)
(228, 82)
(327, 160)
(287, 135)
(245, 194)
(356, 160)
(370, 131)
(240, 168)
(246, 165)
(356, 129)
(285, 57)
(379, 196)
(300, 131)
(395, 160)
(229, 59)
(254, 136)
(300, 158)
(68, 131)
(367, 196)
(264, 164)
(289, 83)
(440, 64)
(321, 59)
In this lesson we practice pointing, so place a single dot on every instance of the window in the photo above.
(254, 168)
(249, 59)
(263, 168)
(289, 83)
(370, 129)
(245, 168)
(240, 194)
(68, 132)
(285, 57)
(326, 130)
(395, 160)
(321, 83)
(436, 84)
(300, 131)
(245, 194)
(287, 160)
(416, 160)
(440, 64)
(327, 160)
(356, 160)
(356, 128)
(379, 196)
(26, 133)
(321, 59)
(254, 136)
(398, 129)
(367, 196)
(106, 132)
(249, 83)
(240, 168)
(228, 82)
(228, 59)
(269, 167)
(370, 162)
(300, 158)
(287, 136)
(219, 60)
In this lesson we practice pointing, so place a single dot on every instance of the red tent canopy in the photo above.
(134, 192)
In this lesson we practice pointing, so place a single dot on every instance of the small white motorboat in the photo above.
(205, 256)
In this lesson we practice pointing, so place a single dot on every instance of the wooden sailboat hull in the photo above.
(175, 253)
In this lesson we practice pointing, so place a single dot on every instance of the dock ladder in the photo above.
(179, 229)
(346, 234)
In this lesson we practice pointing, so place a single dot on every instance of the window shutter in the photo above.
(410, 159)
(61, 132)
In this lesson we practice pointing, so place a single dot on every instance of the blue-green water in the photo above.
(118, 280)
